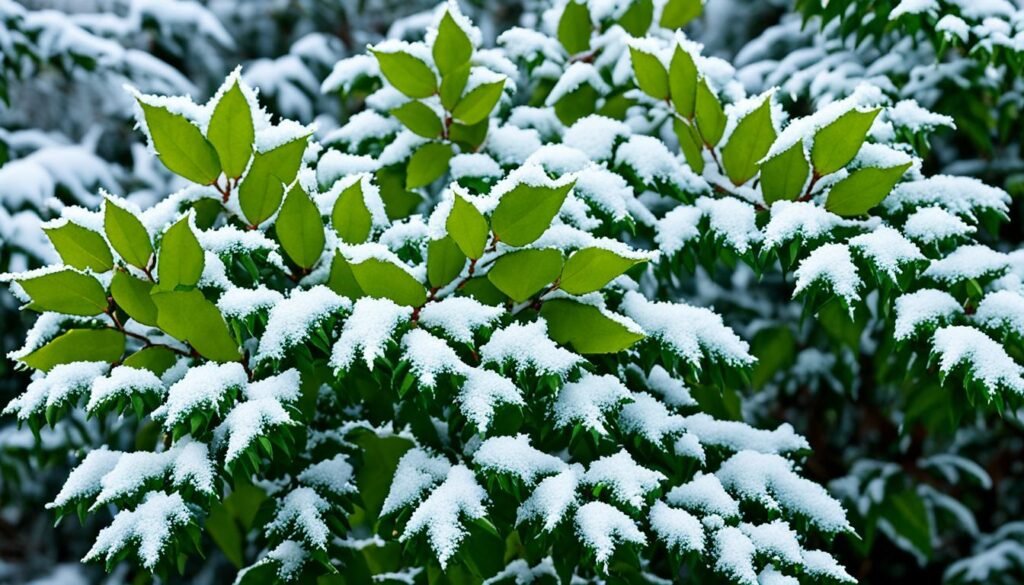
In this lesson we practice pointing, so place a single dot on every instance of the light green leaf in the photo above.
(677, 13)
(66, 291)
(300, 229)
(574, 27)
(408, 74)
(383, 279)
(452, 48)
(427, 164)
(133, 296)
(80, 247)
(444, 261)
(863, 189)
(181, 146)
(261, 191)
(589, 269)
(468, 227)
(350, 217)
(682, 82)
(585, 328)
(691, 145)
(835, 145)
(709, 113)
(341, 279)
(419, 118)
(78, 345)
(155, 359)
(522, 273)
(783, 176)
(180, 260)
(188, 316)
(525, 212)
(479, 103)
(748, 143)
(638, 17)
(650, 74)
(126, 234)
(452, 85)
(231, 131)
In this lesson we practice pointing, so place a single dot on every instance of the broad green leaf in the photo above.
(383, 279)
(452, 85)
(523, 273)
(479, 103)
(350, 217)
(427, 164)
(691, 145)
(525, 212)
(126, 234)
(133, 296)
(231, 131)
(585, 328)
(452, 48)
(419, 118)
(399, 202)
(469, 138)
(709, 113)
(574, 27)
(863, 189)
(483, 290)
(300, 229)
(155, 359)
(261, 191)
(190, 317)
(180, 259)
(80, 247)
(408, 74)
(468, 227)
(677, 13)
(78, 345)
(444, 261)
(908, 517)
(224, 531)
(682, 82)
(835, 145)
(784, 175)
(181, 146)
(66, 291)
(341, 279)
(775, 350)
(589, 269)
(638, 17)
(748, 143)
(650, 74)
(577, 104)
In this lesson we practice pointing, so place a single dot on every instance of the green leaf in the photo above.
(126, 234)
(783, 176)
(80, 247)
(748, 143)
(481, 289)
(261, 191)
(479, 103)
(427, 164)
(419, 118)
(408, 74)
(133, 296)
(155, 359)
(908, 516)
(469, 138)
(525, 212)
(452, 48)
(775, 349)
(638, 17)
(863, 189)
(444, 261)
(66, 291)
(383, 279)
(574, 27)
(231, 131)
(585, 328)
(678, 13)
(350, 217)
(181, 146)
(589, 269)
(341, 279)
(78, 345)
(468, 227)
(522, 273)
(300, 229)
(835, 145)
(224, 531)
(180, 259)
(651, 76)
(452, 85)
(710, 115)
(682, 82)
(691, 145)
(188, 316)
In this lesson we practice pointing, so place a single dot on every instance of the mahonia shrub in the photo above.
(443, 342)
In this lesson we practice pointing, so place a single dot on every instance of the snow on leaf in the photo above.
(430, 356)
(187, 461)
(1002, 310)
(732, 220)
(123, 381)
(515, 456)
(55, 387)
(335, 475)
(924, 307)
(416, 472)
(147, 528)
(528, 346)
(302, 513)
(602, 527)
(439, 514)
(291, 321)
(587, 401)
(677, 528)
(84, 481)
(986, 360)
(705, 494)
(887, 249)
(649, 418)
(459, 317)
(833, 265)
(203, 387)
(629, 481)
(734, 555)
(552, 499)
(965, 263)
(672, 391)
(369, 328)
(482, 392)
(739, 436)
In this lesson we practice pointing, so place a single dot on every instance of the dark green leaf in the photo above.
(589, 269)
(383, 279)
(133, 296)
(155, 359)
(710, 115)
(650, 74)
(682, 82)
(677, 13)
(479, 103)
(189, 317)
(350, 217)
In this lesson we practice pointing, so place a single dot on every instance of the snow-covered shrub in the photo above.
(448, 344)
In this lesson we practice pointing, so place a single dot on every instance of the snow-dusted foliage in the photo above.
(568, 301)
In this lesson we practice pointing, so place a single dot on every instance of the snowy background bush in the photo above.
(621, 291)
